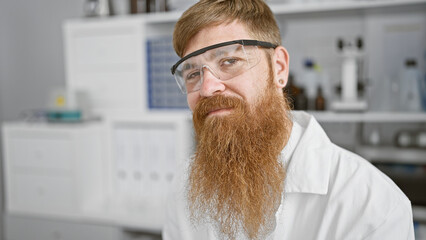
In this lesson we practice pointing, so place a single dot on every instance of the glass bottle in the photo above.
(319, 100)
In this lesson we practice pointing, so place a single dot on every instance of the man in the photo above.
(260, 171)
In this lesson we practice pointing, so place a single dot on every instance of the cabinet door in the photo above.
(42, 194)
(41, 175)
(21, 228)
(45, 151)
(105, 59)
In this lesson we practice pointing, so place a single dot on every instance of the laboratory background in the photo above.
(93, 125)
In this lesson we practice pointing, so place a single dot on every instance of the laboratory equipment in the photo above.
(351, 53)
(409, 87)
(97, 8)
(311, 82)
(67, 106)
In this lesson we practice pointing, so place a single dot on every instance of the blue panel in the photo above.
(163, 92)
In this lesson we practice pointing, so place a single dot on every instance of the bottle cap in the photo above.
(410, 62)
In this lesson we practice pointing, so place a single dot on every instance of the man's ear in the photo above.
(281, 66)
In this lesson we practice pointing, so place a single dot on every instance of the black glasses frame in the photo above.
(244, 42)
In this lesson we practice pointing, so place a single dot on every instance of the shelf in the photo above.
(163, 17)
(391, 154)
(382, 117)
(333, 6)
(290, 9)
(278, 9)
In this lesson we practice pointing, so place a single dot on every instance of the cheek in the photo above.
(192, 99)
(252, 88)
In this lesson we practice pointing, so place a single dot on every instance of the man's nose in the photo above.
(211, 84)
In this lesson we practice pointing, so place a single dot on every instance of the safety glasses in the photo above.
(224, 60)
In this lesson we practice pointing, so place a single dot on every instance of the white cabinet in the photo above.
(110, 57)
(116, 172)
(105, 59)
(55, 170)
(144, 155)
(92, 180)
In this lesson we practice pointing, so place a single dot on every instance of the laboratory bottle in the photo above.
(422, 87)
(311, 82)
(291, 91)
(139, 6)
(409, 89)
(319, 100)
(301, 101)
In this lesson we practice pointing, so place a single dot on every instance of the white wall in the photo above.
(2, 59)
(31, 56)
(2, 56)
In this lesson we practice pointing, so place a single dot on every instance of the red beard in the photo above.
(236, 179)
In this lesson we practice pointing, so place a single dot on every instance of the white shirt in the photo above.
(330, 193)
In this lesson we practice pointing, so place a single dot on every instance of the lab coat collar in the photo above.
(309, 167)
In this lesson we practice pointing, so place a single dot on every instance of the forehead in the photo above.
(217, 34)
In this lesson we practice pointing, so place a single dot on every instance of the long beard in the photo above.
(236, 179)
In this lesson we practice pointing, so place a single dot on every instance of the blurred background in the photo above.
(94, 125)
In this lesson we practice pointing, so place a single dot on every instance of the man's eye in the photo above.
(227, 62)
(192, 76)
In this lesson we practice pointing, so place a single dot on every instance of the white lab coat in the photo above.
(330, 193)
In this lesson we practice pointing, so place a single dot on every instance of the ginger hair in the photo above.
(254, 14)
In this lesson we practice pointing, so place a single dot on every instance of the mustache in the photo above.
(206, 105)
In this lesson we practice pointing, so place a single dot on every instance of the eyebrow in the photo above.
(187, 66)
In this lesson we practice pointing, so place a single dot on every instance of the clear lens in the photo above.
(224, 63)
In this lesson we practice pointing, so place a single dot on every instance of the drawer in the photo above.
(42, 194)
(39, 152)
